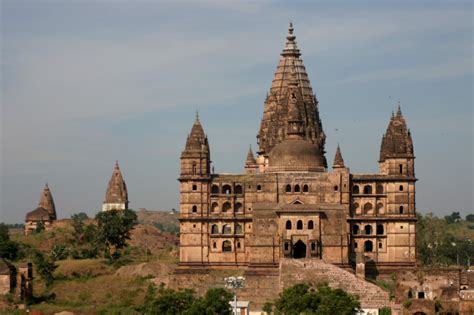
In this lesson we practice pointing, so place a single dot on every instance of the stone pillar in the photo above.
(360, 266)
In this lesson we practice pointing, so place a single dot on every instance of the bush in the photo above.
(301, 298)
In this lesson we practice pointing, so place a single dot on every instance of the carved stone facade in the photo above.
(288, 204)
(44, 214)
(116, 197)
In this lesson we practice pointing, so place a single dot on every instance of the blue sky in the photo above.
(87, 82)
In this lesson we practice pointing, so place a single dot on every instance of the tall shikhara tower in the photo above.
(116, 197)
(275, 114)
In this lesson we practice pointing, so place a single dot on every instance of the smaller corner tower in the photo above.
(194, 181)
(116, 196)
(195, 171)
(396, 150)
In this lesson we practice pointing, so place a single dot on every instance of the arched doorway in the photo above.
(299, 249)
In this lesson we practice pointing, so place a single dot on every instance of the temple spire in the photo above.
(338, 160)
(116, 196)
(290, 74)
(46, 202)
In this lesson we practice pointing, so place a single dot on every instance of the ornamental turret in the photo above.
(251, 166)
(338, 160)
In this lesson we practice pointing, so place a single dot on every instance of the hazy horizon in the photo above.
(89, 82)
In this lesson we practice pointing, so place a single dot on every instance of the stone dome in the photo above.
(295, 155)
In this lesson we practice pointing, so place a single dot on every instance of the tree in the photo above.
(470, 217)
(45, 267)
(322, 300)
(453, 217)
(8, 248)
(215, 301)
(113, 229)
(39, 227)
(171, 302)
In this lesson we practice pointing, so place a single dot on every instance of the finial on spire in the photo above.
(116, 164)
(197, 115)
(399, 110)
(291, 49)
(46, 186)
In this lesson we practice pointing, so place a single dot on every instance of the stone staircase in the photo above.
(314, 271)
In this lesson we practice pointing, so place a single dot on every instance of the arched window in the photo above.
(401, 209)
(214, 207)
(379, 189)
(368, 246)
(238, 207)
(356, 245)
(215, 189)
(297, 188)
(226, 246)
(400, 168)
(195, 187)
(299, 225)
(336, 188)
(355, 206)
(355, 190)
(226, 229)
(214, 229)
(238, 229)
(355, 229)
(313, 246)
(195, 208)
(214, 245)
(288, 225)
(367, 190)
(238, 189)
(368, 229)
(380, 244)
(226, 206)
(259, 187)
(226, 189)
(305, 188)
(238, 244)
(400, 188)
(379, 229)
(310, 225)
(368, 207)
(288, 188)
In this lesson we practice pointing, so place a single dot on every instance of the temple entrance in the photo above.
(299, 249)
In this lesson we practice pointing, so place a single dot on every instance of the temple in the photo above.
(288, 203)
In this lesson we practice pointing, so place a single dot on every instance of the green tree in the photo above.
(171, 302)
(45, 266)
(453, 217)
(8, 248)
(113, 229)
(39, 227)
(470, 217)
(322, 300)
(214, 302)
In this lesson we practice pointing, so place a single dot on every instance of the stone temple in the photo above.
(288, 204)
